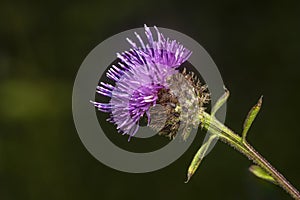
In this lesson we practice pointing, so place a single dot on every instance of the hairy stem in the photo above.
(226, 135)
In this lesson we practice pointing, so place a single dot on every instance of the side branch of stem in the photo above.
(226, 135)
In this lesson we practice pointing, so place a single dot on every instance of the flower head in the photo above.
(140, 76)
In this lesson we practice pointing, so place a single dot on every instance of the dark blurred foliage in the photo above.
(42, 44)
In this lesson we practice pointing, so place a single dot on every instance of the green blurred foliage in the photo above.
(42, 44)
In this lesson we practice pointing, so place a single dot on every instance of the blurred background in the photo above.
(256, 47)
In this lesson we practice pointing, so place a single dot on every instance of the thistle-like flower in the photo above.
(146, 76)
(149, 75)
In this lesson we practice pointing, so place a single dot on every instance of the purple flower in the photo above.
(139, 76)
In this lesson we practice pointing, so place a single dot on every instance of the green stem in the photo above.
(226, 135)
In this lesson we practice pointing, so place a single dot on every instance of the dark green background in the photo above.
(42, 44)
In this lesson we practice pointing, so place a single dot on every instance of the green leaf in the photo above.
(199, 157)
(220, 102)
(261, 173)
(250, 118)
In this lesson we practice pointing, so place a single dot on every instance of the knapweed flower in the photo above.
(147, 75)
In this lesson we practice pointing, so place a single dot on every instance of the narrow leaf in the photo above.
(250, 117)
(199, 157)
(220, 102)
(261, 173)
